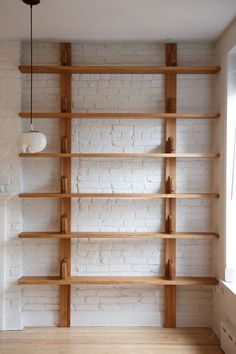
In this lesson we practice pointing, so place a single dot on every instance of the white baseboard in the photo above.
(40, 319)
(194, 320)
(13, 324)
(50, 318)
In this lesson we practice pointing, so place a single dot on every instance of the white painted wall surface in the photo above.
(120, 305)
(10, 177)
(224, 301)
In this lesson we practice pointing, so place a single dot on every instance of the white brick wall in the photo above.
(10, 173)
(112, 305)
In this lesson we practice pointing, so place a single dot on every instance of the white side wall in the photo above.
(10, 175)
(123, 305)
(224, 300)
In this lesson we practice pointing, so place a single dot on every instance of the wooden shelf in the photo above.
(119, 195)
(138, 115)
(116, 280)
(117, 69)
(162, 235)
(119, 155)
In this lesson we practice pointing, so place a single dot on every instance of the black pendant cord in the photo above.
(31, 68)
(31, 3)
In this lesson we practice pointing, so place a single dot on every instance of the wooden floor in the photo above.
(110, 340)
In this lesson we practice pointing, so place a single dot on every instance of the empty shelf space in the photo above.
(162, 235)
(120, 155)
(120, 195)
(116, 280)
(134, 115)
(117, 69)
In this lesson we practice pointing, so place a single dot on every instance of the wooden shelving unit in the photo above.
(169, 235)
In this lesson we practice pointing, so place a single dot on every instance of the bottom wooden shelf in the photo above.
(116, 280)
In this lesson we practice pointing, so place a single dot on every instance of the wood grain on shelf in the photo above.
(146, 280)
(134, 115)
(119, 155)
(120, 195)
(117, 69)
(161, 235)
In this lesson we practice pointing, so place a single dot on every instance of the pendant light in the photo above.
(31, 141)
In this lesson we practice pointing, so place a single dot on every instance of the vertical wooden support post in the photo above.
(65, 204)
(170, 177)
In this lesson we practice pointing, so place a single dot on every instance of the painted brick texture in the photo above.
(112, 305)
(10, 173)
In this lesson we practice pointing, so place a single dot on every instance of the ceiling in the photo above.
(118, 20)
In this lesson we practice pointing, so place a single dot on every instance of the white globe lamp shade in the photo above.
(32, 142)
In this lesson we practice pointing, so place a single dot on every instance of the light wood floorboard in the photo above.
(110, 340)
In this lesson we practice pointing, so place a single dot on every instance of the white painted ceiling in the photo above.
(118, 20)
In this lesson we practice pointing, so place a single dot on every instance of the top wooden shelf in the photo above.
(117, 69)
